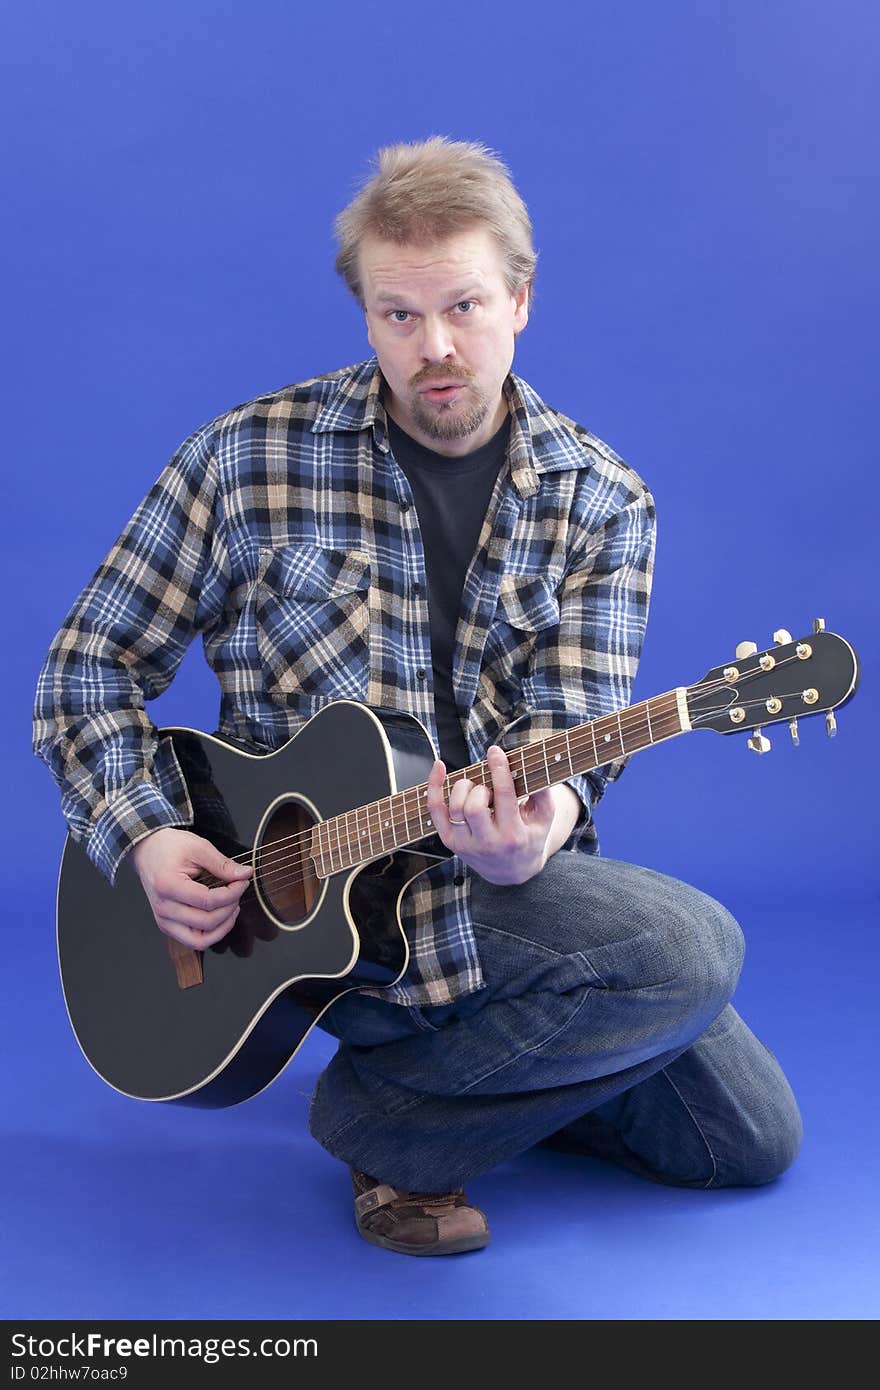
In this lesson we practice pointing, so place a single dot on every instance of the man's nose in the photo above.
(436, 338)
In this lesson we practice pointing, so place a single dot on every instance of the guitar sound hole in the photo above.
(285, 874)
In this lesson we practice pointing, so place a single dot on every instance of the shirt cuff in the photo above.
(136, 812)
(583, 835)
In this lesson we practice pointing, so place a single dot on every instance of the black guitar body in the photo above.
(299, 941)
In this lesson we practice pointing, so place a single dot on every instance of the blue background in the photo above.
(702, 179)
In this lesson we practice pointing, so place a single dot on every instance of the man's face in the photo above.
(442, 314)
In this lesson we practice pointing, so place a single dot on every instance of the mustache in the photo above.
(434, 376)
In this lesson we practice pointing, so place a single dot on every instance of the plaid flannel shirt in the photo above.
(284, 532)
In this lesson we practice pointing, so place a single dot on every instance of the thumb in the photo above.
(541, 805)
(221, 865)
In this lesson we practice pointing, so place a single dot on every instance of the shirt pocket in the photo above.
(313, 623)
(526, 614)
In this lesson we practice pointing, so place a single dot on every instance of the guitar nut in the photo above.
(774, 705)
(737, 714)
(804, 650)
(810, 696)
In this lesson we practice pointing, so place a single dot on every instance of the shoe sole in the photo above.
(439, 1247)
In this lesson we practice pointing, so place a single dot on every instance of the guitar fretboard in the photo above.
(355, 837)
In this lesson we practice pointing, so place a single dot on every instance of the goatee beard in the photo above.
(455, 423)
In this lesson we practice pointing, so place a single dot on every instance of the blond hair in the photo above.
(430, 190)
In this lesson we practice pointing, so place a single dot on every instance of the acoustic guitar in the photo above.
(335, 825)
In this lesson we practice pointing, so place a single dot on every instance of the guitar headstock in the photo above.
(794, 678)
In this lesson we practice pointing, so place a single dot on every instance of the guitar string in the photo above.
(275, 858)
(295, 861)
(537, 760)
(275, 862)
(531, 764)
(399, 819)
(533, 761)
(278, 862)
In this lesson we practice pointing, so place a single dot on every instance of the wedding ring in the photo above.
(457, 822)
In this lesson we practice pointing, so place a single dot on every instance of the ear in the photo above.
(369, 331)
(521, 308)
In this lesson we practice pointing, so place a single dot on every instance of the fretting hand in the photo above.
(509, 841)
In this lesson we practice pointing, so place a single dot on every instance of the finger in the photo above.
(448, 819)
(207, 856)
(504, 798)
(183, 889)
(436, 800)
(198, 940)
(478, 813)
(459, 798)
(192, 919)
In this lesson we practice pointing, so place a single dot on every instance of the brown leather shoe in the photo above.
(417, 1223)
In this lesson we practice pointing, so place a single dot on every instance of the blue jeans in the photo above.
(604, 1026)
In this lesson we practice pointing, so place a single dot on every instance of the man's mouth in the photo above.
(441, 393)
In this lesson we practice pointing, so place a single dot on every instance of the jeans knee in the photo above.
(710, 946)
(726, 948)
(767, 1145)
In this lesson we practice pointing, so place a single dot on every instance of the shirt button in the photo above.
(421, 674)
(404, 506)
(458, 880)
(417, 589)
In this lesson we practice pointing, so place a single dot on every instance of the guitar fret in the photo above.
(315, 849)
(527, 791)
(403, 817)
(335, 823)
(606, 739)
(520, 754)
(663, 708)
(643, 742)
(322, 841)
(557, 742)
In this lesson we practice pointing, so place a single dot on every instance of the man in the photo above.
(422, 531)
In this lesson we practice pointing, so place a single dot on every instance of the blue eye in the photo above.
(469, 302)
(395, 312)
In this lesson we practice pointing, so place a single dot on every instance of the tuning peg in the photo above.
(746, 649)
(830, 723)
(782, 636)
(792, 724)
(818, 624)
(758, 743)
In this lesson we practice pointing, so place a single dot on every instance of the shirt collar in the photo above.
(541, 440)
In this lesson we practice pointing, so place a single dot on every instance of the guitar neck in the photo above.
(357, 836)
